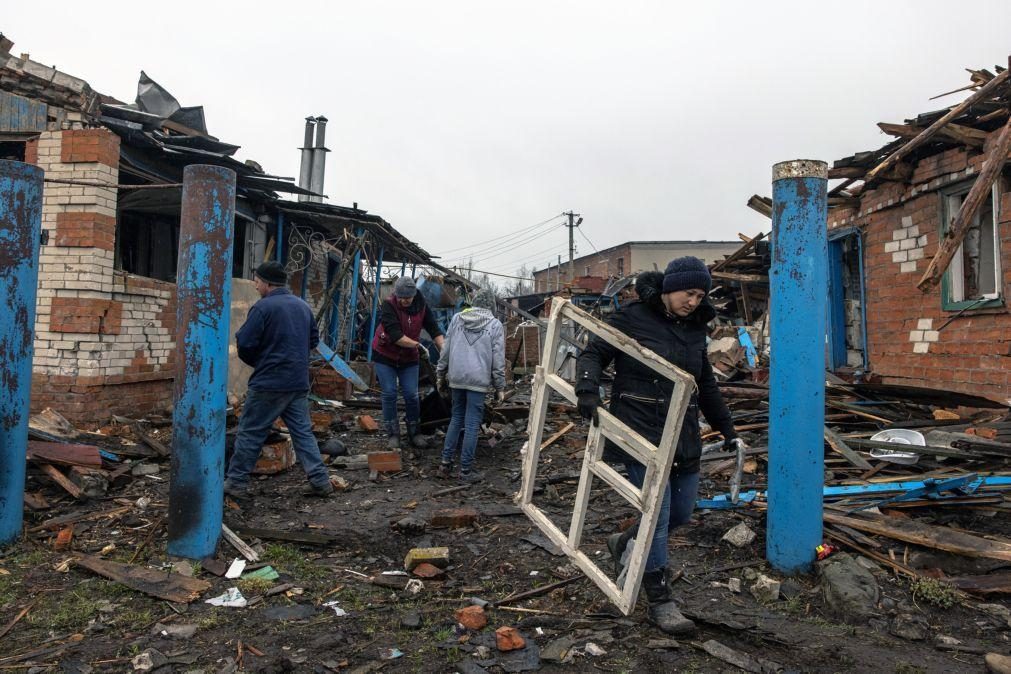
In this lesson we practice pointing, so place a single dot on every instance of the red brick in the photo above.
(454, 518)
(368, 424)
(385, 462)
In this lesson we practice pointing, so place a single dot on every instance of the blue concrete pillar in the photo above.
(204, 285)
(799, 289)
(20, 231)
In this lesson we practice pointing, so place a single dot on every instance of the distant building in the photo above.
(628, 258)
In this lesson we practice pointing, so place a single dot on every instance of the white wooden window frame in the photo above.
(656, 458)
(956, 278)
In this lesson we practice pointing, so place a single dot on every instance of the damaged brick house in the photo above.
(895, 310)
(106, 314)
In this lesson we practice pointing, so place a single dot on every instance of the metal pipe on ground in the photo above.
(799, 289)
(20, 233)
(204, 287)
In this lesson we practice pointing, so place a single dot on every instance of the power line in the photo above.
(491, 273)
(505, 246)
(505, 251)
(504, 236)
(524, 256)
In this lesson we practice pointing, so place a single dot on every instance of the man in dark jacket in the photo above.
(276, 339)
(396, 352)
(670, 319)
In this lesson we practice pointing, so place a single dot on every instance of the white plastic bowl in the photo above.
(898, 436)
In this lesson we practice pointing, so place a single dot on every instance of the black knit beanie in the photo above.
(272, 272)
(686, 273)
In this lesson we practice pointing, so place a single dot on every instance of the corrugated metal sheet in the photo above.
(21, 115)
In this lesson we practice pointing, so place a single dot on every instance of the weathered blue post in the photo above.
(20, 231)
(204, 286)
(375, 299)
(356, 274)
(798, 284)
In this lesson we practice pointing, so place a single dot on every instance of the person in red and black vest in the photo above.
(395, 352)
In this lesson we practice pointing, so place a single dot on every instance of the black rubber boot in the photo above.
(417, 440)
(393, 433)
(663, 612)
(616, 544)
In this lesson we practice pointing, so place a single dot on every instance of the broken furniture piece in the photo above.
(657, 459)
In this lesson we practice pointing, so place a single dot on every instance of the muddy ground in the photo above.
(78, 622)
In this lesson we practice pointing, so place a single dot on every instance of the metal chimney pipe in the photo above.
(319, 159)
(305, 170)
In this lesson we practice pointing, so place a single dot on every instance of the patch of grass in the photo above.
(250, 587)
(68, 611)
(134, 619)
(933, 591)
(907, 668)
(215, 618)
(443, 634)
(289, 559)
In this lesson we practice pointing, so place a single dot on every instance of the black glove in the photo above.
(587, 404)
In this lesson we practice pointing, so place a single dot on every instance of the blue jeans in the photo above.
(468, 412)
(262, 408)
(388, 377)
(679, 496)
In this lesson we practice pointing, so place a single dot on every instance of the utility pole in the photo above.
(573, 223)
(558, 274)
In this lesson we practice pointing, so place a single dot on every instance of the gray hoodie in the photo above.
(473, 356)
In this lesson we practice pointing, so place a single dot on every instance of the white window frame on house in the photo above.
(586, 270)
(953, 283)
(621, 266)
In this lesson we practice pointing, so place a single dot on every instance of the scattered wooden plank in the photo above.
(237, 543)
(979, 192)
(57, 522)
(938, 538)
(840, 447)
(291, 536)
(740, 659)
(538, 591)
(59, 478)
(741, 278)
(64, 454)
(151, 441)
(931, 130)
(550, 441)
(993, 583)
(36, 501)
(168, 586)
(21, 614)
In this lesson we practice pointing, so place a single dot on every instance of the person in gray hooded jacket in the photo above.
(471, 366)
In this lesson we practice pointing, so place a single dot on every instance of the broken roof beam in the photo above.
(957, 133)
(963, 220)
(762, 205)
(932, 130)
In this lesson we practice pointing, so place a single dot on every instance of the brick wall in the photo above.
(523, 345)
(104, 339)
(901, 223)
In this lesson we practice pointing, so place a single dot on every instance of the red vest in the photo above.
(411, 324)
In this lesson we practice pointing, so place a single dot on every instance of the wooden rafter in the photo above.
(932, 130)
(960, 225)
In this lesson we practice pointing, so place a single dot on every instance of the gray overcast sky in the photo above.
(462, 121)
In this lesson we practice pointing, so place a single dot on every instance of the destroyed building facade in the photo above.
(106, 309)
(886, 227)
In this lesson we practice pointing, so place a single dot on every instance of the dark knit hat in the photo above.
(483, 299)
(272, 272)
(686, 273)
(404, 287)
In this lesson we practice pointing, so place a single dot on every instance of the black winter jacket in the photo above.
(640, 396)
